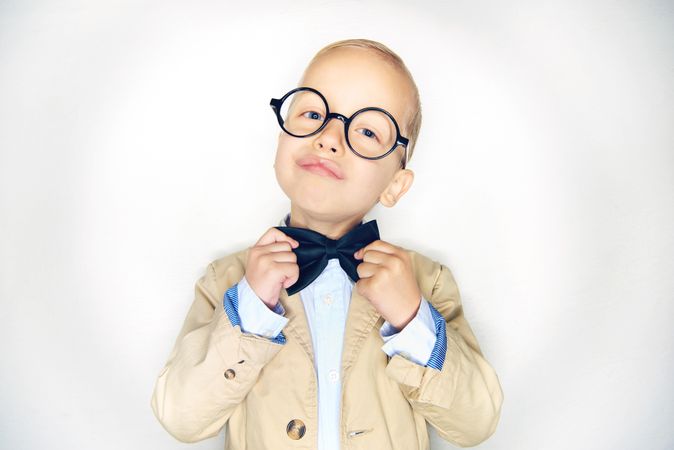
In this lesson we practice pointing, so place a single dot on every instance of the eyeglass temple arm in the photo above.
(404, 142)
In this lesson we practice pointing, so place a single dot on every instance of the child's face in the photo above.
(350, 79)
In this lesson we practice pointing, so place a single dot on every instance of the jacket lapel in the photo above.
(360, 319)
(297, 326)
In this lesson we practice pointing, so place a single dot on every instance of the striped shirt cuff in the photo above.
(437, 358)
(416, 340)
(245, 309)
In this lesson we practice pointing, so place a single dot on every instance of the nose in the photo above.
(332, 136)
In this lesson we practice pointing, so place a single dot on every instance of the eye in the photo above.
(313, 115)
(369, 133)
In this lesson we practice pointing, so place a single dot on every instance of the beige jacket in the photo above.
(266, 393)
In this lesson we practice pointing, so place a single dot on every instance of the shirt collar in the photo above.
(285, 220)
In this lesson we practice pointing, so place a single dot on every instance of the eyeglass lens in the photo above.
(371, 133)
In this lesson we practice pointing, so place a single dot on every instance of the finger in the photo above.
(363, 287)
(275, 235)
(379, 245)
(280, 256)
(376, 257)
(290, 280)
(291, 272)
(366, 270)
(280, 271)
(268, 251)
(283, 246)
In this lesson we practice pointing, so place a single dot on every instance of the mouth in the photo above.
(321, 166)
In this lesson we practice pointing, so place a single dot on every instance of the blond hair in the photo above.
(413, 125)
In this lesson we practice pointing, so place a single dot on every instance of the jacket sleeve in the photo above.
(462, 400)
(211, 368)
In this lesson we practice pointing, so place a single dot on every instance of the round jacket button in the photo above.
(296, 429)
(229, 374)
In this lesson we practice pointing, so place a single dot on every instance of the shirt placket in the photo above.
(330, 332)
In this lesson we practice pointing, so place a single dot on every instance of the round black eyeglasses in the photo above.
(371, 133)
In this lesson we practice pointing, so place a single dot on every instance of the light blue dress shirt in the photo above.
(326, 303)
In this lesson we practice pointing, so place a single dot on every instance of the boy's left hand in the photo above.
(387, 281)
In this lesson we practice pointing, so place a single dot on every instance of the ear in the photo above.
(400, 183)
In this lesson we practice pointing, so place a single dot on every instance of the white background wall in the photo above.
(136, 146)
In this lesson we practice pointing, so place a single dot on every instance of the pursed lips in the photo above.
(320, 166)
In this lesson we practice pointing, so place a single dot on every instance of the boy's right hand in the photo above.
(271, 265)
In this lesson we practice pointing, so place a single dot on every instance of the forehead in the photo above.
(352, 78)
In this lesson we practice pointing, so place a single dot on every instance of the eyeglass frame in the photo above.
(276, 103)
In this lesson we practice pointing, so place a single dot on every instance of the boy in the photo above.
(322, 335)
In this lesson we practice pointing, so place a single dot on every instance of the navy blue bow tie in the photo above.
(316, 249)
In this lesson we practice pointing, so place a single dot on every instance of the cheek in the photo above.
(286, 148)
(369, 183)
(287, 172)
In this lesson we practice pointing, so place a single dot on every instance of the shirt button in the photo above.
(333, 375)
(405, 355)
(229, 374)
(327, 299)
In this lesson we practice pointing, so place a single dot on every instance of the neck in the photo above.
(331, 228)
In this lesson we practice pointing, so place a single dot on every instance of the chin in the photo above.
(310, 202)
